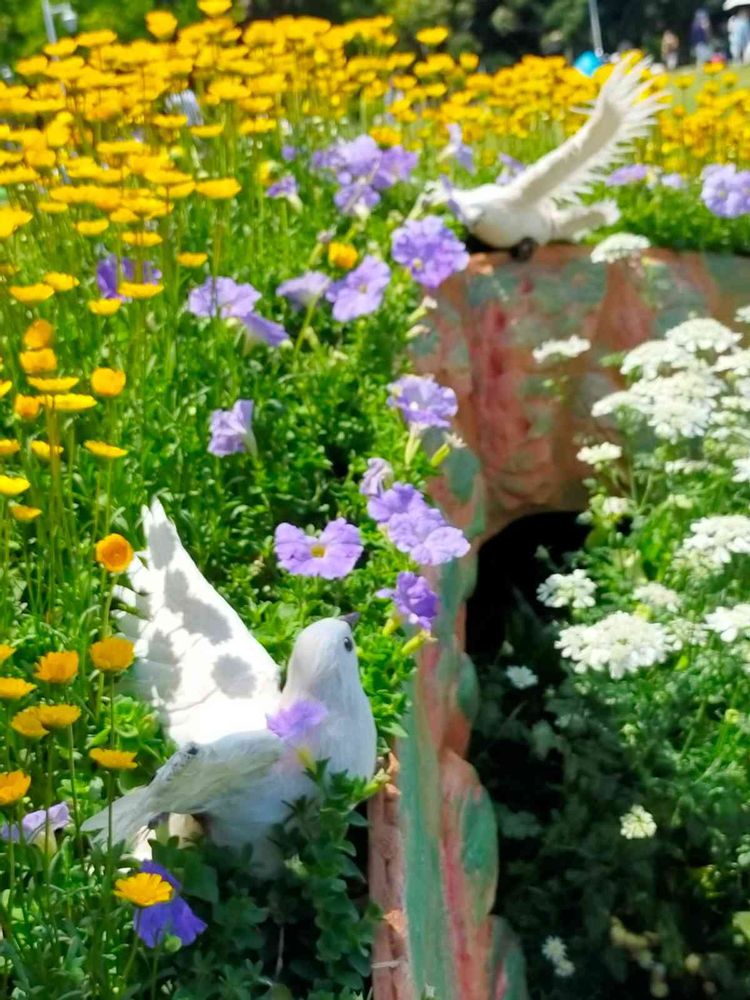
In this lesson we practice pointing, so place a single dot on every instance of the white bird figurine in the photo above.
(530, 209)
(214, 686)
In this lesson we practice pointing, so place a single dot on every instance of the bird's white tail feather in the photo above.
(572, 222)
(130, 814)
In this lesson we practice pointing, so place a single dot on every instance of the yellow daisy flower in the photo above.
(103, 450)
(12, 486)
(114, 760)
(57, 668)
(13, 688)
(13, 786)
(58, 716)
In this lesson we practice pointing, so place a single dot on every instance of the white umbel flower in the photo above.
(599, 454)
(560, 350)
(619, 246)
(730, 623)
(521, 677)
(554, 949)
(741, 470)
(637, 824)
(567, 590)
(702, 335)
(649, 358)
(656, 595)
(742, 315)
(621, 644)
(714, 540)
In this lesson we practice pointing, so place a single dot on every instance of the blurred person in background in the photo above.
(738, 30)
(670, 49)
(701, 37)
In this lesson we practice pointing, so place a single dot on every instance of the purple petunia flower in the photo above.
(361, 291)
(512, 168)
(378, 473)
(430, 250)
(294, 724)
(416, 602)
(330, 555)
(153, 923)
(356, 198)
(362, 169)
(396, 164)
(457, 149)
(303, 291)
(289, 153)
(267, 330)
(423, 401)
(674, 180)
(632, 173)
(401, 498)
(223, 297)
(427, 537)
(232, 430)
(285, 187)
(726, 190)
(35, 823)
(108, 278)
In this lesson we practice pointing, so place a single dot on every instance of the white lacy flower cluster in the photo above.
(600, 454)
(637, 824)
(730, 624)
(620, 643)
(657, 596)
(555, 951)
(560, 350)
(714, 540)
(619, 246)
(568, 590)
(521, 677)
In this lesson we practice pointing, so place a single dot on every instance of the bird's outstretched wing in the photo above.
(620, 115)
(196, 661)
(190, 781)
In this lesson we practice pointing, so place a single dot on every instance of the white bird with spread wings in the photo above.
(541, 205)
(214, 687)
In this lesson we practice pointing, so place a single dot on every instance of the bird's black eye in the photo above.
(348, 644)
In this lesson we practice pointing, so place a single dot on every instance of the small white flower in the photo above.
(554, 950)
(616, 507)
(697, 335)
(620, 643)
(730, 623)
(685, 466)
(564, 968)
(686, 632)
(559, 350)
(656, 595)
(714, 540)
(599, 454)
(567, 590)
(637, 824)
(619, 246)
(742, 315)
(521, 677)
(741, 470)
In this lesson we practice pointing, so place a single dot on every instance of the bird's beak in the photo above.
(351, 619)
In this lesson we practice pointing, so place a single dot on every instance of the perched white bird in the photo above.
(214, 686)
(531, 209)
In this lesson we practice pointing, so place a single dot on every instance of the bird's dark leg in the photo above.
(524, 250)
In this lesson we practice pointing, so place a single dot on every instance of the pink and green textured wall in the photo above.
(434, 841)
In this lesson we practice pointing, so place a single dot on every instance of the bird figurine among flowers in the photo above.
(541, 204)
(242, 741)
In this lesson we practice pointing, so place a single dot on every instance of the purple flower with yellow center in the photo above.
(726, 190)
(415, 600)
(232, 430)
(109, 277)
(286, 187)
(153, 923)
(632, 173)
(330, 555)
(401, 498)
(422, 401)
(429, 249)
(426, 536)
(457, 149)
(298, 721)
(37, 825)
(223, 297)
(361, 291)
(301, 292)
(377, 475)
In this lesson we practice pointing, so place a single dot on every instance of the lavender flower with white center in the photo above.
(361, 291)
(401, 498)
(422, 401)
(258, 328)
(295, 723)
(730, 624)
(630, 174)
(415, 600)
(378, 474)
(521, 677)
(637, 824)
(232, 430)
(303, 291)
(38, 826)
(289, 153)
(429, 249)
(330, 555)
(457, 149)
(286, 187)
(427, 537)
(560, 350)
(726, 190)
(568, 590)
(395, 164)
(223, 297)
(620, 643)
(600, 454)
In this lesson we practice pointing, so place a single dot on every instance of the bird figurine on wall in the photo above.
(217, 692)
(540, 205)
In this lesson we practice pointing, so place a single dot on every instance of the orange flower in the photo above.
(104, 307)
(26, 407)
(57, 668)
(38, 362)
(13, 688)
(342, 255)
(108, 381)
(103, 450)
(58, 716)
(219, 189)
(13, 786)
(22, 513)
(27, 723)
(114, 760)
(115, 553)
(31, 294)
(38, 335)
(112, 655)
